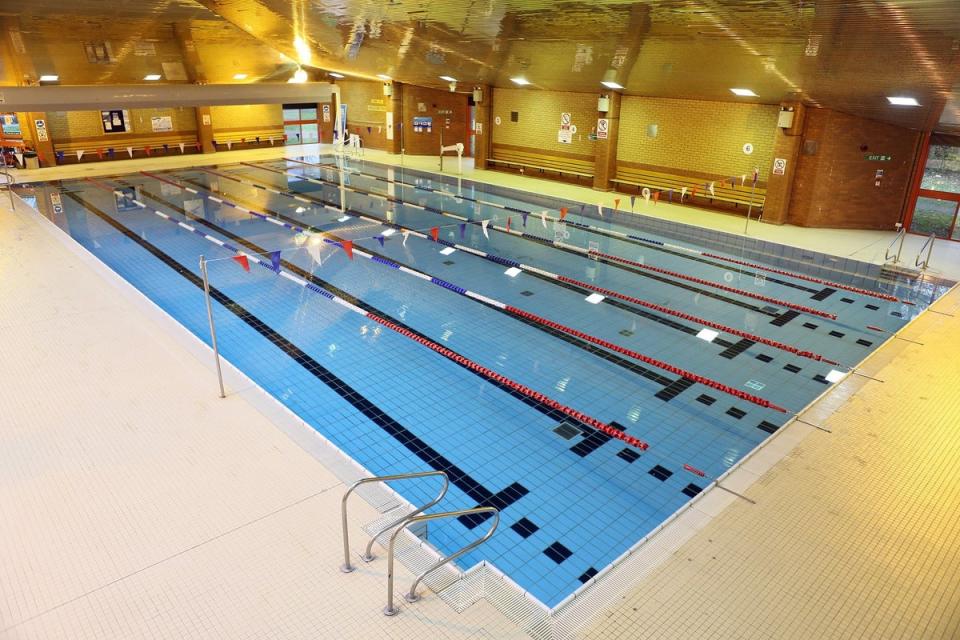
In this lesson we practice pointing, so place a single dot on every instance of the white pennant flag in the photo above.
(229, 145)
(79, 155)
(406, 234)
(543, 219)
(683, 193)
(743, 179)
(484, 226)
(19, 156)
(314, 250)
(646, 195)
(130, 151)
(181, 147)
(600, 208)
(271, 141)
(712, 193)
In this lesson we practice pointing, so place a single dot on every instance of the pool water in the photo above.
(495, 365)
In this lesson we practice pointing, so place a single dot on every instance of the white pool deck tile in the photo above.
(134, 503)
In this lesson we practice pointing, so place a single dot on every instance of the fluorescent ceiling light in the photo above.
(513, 272)
(448, 78)
(520, 81)
(903, 101)
(835, 376)
(595, 298)
(744, 92)
(609, 84)
(334, 74)
(384, 76)
(49, 78)
(152, 76)
(447, 251)
(239, 76)
(388, 232)
(708, 334)
(299, 77)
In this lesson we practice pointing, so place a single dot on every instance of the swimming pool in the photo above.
(511, 354)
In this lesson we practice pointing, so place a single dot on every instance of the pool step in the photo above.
(900, 271)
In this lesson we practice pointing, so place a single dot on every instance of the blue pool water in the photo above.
(572, 498)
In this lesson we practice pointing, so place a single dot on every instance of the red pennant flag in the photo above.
(508, 224)
(563, 213)
(243, 262)
(243, 141)
(198, 146)
(616, 203)
(435, 233)
(656, 196)
(100, 153)
(146, 150)
(348, 248)
(693, 193)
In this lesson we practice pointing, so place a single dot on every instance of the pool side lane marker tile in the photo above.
(595, 298)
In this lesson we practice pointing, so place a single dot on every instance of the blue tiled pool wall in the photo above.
(846, 270)
(564, 490)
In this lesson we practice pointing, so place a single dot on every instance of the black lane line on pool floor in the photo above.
(538, 240)
(673, 324)
(587, 228)
(460, 479)
(572, 340)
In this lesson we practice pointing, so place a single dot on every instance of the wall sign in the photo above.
(41, 130)
(779, 166)
(205, 118)
(326, 115)
(389, 115)
(877, 158)
(603, 126)
(115, 120)
(497, 120)
(748, 148)
(161, 123)
(422, 124)
(56, 202)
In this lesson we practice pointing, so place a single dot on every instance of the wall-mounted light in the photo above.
(603, 104)
(387, 89)
(477, 95)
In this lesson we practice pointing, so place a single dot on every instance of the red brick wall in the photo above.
(834, 187)
(433, 101)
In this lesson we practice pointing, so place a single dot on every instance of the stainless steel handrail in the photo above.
(928, 245)
(347, 567)
(900, 237)
(367, 555)
(412, 596)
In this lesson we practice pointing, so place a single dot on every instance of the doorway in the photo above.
(937, 199)
(300, 123)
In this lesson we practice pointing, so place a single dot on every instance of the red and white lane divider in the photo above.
(717, 285)
(447, 353)
(542, 272)
(620, 234)
(660, 364)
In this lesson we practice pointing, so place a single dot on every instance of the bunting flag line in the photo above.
(130, 151)
(524, 216)
(59, 155)
(483, 225)
(275, 260)
(111, 152)
(563, 213)
(435, 233)
(79, 155)
(230, 146)
(633, 200)
(543, 219)
(656, 197)
(242, 261)
(380, 239)
(347, 248)
(683, 193)
(463, 229)
(181, 147)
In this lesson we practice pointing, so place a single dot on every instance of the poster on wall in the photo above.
(115, 120)
(161, 123)
(41, 126)
(326, 113)
(565, 136)
(603, 126)
(11, 125)
(779, 166)
(422, 124)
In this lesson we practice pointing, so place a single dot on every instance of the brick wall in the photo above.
(366, 111)
(696, 136)
(834, 187)
(232, 121)
(538, 120)
(74, 127)
(433, 101)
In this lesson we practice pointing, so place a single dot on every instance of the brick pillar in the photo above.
(483, 116)
(396, 109)
(44, 147)
(786, 146)
(605, 150)
(205, 130)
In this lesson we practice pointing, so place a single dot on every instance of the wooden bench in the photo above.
(542, 162)
(723, 192)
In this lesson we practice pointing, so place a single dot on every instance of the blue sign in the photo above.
(422, 124)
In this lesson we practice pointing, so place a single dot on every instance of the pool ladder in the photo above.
(402, 523)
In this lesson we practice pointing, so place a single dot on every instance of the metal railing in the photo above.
(412, 596)
(928, 247)
(899, 242)
(347, 567)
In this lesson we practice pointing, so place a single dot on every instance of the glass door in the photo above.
(938, 194)
(300, 123)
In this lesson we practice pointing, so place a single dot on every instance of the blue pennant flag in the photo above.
(59, 156)
(463, 229)
(670, 195)
(110, 152)
(633, 200)
(581, 209)
(166, 147)
(380, 239)
(275, 260)
(524, 216)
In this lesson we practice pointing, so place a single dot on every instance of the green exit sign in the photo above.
(877, 158)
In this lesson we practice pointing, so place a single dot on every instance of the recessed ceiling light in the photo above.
(239, 76)
(334, 74)
(744, 92)
(384, 76)
(903, 101)
(152, 76)
(520, 81)
(448, 78)
(611, 85)
(49, 78)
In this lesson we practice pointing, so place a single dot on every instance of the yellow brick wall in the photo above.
(360, 96)
(67, 127)
(539, 119)
(247, 117)
(698, 136)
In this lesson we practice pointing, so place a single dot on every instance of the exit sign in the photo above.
(877, 158)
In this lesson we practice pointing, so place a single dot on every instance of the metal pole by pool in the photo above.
(213, 329)
(9, 181)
